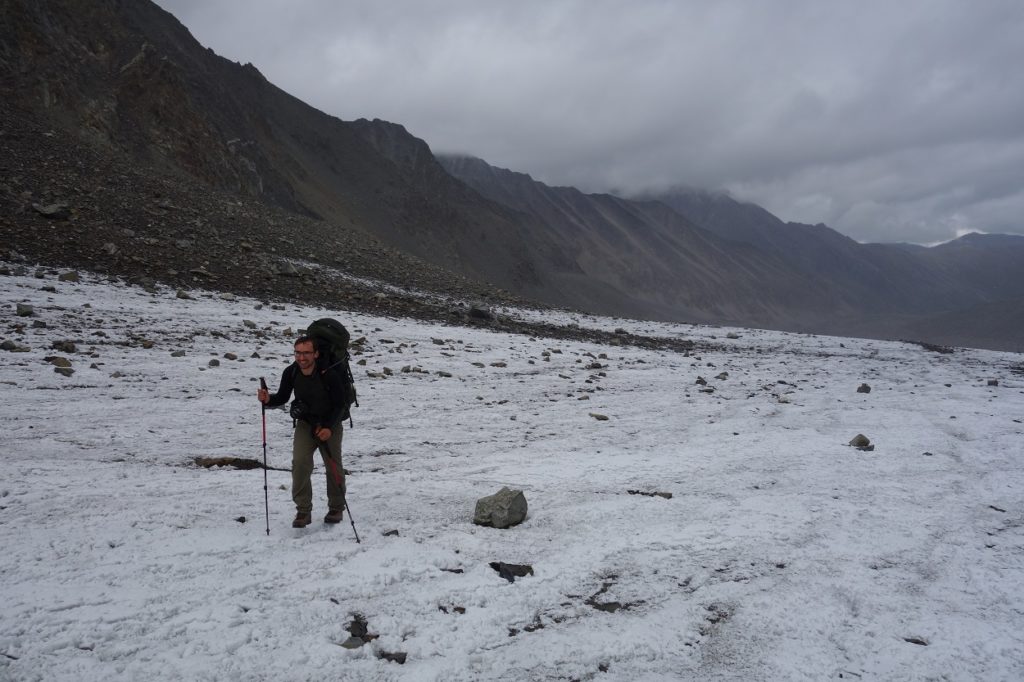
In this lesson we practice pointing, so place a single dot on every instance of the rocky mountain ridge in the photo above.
(114, 110)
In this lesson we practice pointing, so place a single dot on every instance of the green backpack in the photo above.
(331, 340)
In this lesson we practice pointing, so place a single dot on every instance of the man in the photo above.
(317, 411)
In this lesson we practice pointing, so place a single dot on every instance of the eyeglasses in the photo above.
(305, 352)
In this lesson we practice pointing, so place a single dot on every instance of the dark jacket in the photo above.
(323, 394)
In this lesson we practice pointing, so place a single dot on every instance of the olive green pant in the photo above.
(304, 444)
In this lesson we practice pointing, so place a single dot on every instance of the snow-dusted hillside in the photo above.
(783, 552)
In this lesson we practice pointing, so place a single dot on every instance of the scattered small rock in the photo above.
(25, 310)
(993, 382)
(511, 571)
(863, 388)
(667, 496)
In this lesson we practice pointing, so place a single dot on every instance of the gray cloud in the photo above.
(888, 121)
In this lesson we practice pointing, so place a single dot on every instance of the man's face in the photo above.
(305, 355)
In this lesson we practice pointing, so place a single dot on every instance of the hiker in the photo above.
(317, 411)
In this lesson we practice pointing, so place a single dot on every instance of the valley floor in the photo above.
(775, 550)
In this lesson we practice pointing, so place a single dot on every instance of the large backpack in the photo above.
(331, 340)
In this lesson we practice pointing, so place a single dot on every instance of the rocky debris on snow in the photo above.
(13, 347)
(862, 442)
(392, 656)
(64, 346)
(71, 276)
(178, 354)
(934, 348)
(511, 571)
(358, 631)
(863, 388)
(608, 606)
(24, 310)
(236, 462)
(667, 496)
(57, 361)
(993, 382)
(504, 509)
(701, 381)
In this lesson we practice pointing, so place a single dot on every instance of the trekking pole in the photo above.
(333, 466)
(266, 495)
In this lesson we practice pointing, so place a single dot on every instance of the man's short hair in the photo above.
(304, 339)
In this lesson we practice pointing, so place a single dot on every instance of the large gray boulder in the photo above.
(502, 509)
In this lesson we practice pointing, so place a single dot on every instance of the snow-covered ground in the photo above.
(782, 554)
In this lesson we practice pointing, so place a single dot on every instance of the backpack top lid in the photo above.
(331, 339)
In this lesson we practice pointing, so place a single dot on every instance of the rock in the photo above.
(64, 346)
(599, 417)
(732, 335)
(701, 381)
(863, 388)
(228, 296)
(723, 376)
(230, 356)
(214, 363)
(511, 571)
(183, 294)
(69, 276)
(58, 361)
(178, 354)
(287, 269)
(58, 211)
(249, 324)
(503, 509)
(25, 310)
(480, 312)
(353, 643)
(860, 440)
(110, 248)
(993, 382)
(667, 496)
(66, 371)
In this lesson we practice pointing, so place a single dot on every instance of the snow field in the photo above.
(783, 553)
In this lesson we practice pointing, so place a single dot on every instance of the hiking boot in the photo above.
(302, 519)
(334, 516)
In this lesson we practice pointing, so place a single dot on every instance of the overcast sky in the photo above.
(887, 120)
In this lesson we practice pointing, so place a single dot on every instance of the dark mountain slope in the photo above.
(129, 76)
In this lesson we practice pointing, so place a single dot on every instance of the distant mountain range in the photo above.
(128, 78)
